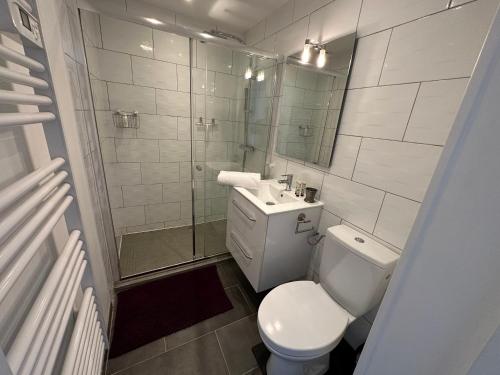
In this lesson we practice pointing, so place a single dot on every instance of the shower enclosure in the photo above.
(194, 108)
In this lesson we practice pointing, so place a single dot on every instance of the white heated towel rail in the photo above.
(30, 209)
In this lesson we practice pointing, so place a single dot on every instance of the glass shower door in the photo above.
(213, 89)
(231, 101)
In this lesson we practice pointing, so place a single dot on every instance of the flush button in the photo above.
(359, 239)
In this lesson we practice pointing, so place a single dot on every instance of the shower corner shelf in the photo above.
(126, 120)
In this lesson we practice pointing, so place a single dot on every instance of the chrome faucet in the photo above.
(287, 181)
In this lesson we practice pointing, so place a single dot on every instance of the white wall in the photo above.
(64, 49)
(411, 67)
(441, 313)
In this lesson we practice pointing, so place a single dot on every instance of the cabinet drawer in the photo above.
(251, 224)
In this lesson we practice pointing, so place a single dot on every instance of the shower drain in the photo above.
(270, 203)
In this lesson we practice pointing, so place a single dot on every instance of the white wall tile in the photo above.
(115, 196)
(378, 15)
(444, 45)
(99, 94)
(170, 47)
(171, 151)
(311, 177)
(108, 150)
(128, 37)
(344, 155)
(184, 129)
(369, 60)
(214, 58)
(291, 39)
(177, 192)
(155, 173)
(153, 73)
(109, 65)
(127, 216)
(337, 19)
(225, 85)
(172, 103)
(163, 212)
(203, 81)
(122, 174)
(396, 219)
(356, 203)
(378, 112)
(139, 195)
(131, 98)
(280, 18)
(91, 28)
(157, 127)
(137, 150)
(435, 110)
(397, 167)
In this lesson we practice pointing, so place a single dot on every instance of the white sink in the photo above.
(272, 198)
(267, 233)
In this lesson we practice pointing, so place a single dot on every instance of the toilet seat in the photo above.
(299, 320)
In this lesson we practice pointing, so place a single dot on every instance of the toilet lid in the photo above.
(300, 319)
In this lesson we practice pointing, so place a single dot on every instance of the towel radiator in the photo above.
(30, 210)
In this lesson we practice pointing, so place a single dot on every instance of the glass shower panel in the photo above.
(232, 104)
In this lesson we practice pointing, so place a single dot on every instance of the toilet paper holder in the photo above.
(301, 219)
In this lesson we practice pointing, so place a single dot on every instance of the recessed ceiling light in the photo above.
(154, 21)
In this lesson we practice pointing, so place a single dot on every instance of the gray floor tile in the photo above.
(148, 251)
(138, 355)
(201, 356)
(229, 273)
(237, 340)
(240, 309)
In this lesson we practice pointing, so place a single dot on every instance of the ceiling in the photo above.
(228, 15)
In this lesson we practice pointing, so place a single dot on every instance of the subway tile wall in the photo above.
(410, 70)
(148, 170)
(409, 74)
(76, 66)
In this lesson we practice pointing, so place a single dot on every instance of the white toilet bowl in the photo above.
(300, 324)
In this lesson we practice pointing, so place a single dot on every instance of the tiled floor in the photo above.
(219, 345)
(149, 251)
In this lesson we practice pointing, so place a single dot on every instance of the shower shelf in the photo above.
(126, 120)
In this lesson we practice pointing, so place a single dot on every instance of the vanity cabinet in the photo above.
(267, 247)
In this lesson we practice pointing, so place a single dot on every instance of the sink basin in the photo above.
(272, 198)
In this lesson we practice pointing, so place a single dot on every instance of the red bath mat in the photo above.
(150, 311)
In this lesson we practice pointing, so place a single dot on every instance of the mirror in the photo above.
(311, 103)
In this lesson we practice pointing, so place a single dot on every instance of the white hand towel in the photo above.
(242, 179)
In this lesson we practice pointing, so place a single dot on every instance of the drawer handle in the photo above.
(243, 211)
(242, 249)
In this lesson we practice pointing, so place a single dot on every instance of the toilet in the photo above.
(301, 322)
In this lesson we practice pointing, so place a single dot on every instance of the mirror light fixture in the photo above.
(260, 76)
(306, 52)
(321, 60)
(248, 73)
(315, 49)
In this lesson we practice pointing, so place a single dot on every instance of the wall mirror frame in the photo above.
(311, 102)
